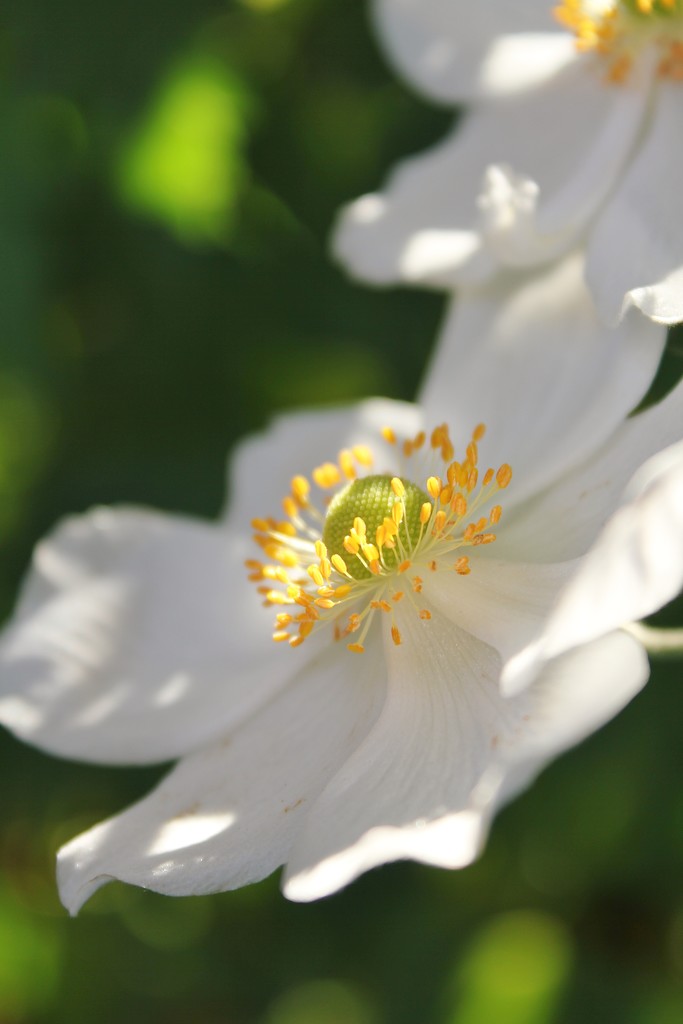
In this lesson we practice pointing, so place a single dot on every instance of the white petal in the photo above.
(565, 520)
(263, 465)
(406, 791)
(635, 566)
(574, 695)
(426, 226)
(137, 638)
(537, 205)
(529, 358)
(227, 815)
(635, 254)
(448, 750)
(454, 50)
(522, 597)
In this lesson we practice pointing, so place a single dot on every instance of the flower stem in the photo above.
(665, 642)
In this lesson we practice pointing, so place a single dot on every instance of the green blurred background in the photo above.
(169, 172)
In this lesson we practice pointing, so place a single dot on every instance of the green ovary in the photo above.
(372, 500)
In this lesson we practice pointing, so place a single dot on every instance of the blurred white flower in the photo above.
(573, 132)
(482, 611)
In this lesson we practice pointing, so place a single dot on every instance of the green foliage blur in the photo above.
(169, 172)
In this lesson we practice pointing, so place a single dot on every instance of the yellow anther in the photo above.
(260, 524)
(419, 440)
(408, 449)
(370, 552)
(416, 584)
(488, 477)
(472, 479)
(327, 475)
(504, 476)
(478, 432)
(391, 525)
(326, 567)
(326, 592)
(324, 602)
(359, 526)
(290, 507)
(353, 623)
(439, 436)
(434, 486)
(398, 596)
(343, 591)
(283, 619)
(339, 564)
(397, 487)
(439, 522)
(296, 641)
(459, 505)
(316, 575)
(321, 549)
(425, 614)
(447, 451)
(346, 464)
(433, 566)
(404, 566)
(280, 636)
(425, 512)
(462, 566)
(301, 489)
(396, 635)
(380, 536)
(388, 435)
(446, 495)
(277, 597)
(495, 514)
(363, 455)
(484, 538)
(351, 545)
(285, 527)
(305, 628)
(356, 648)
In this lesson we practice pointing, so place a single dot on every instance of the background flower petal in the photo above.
(441, 220)
(635, 252)
(450, 49)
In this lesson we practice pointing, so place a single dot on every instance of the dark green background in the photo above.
(169, 172)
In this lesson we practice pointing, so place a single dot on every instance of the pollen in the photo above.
(375, 539)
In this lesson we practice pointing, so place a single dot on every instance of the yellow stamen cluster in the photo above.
(620, 32)
(320, 566)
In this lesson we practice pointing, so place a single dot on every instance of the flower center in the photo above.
(619, 31)
(380, 533)
(373, 499)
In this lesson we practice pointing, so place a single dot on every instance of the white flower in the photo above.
(574, 131)
(138, 637)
